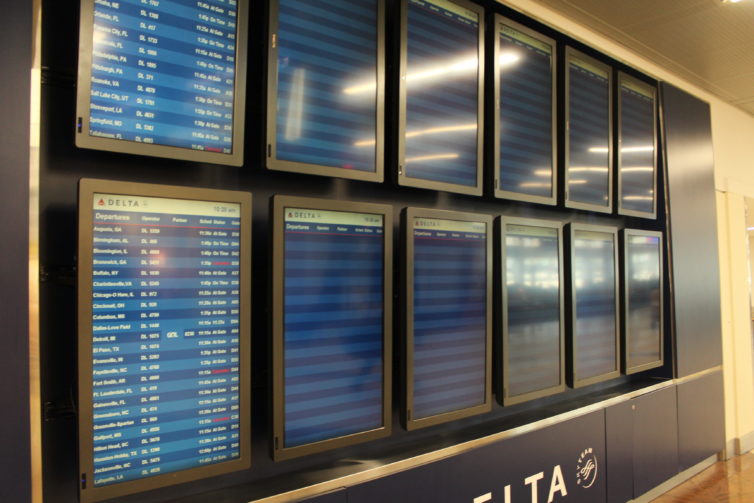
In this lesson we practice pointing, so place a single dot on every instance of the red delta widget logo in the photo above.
(122, 203)
(586, 476)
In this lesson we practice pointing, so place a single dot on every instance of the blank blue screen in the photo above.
(333, 324)
(441, 93)
(588, 135)
(327, 83)
(644, 303)
(450, 308)
(526, 126)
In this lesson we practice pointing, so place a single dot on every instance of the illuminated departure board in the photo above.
(637, 159)
(449, 316)
(525, 139)
(589, 133)
(163, 339)
(594, 302)
(533, 340)
(163, 78)
(643, 300)
(441, 95)
(330, 325)
(325, 98)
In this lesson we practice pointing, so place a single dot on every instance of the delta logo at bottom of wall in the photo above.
(587, 468)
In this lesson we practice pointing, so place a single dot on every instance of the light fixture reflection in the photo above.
(637, 169)
(421, 132)
(436, 157)
(295, 119)
(588, 169)
(623, 150)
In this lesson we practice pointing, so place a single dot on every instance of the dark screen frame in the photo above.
(624, 77)
(84, 140)
(273, 163)
(499, 193)
(278, 205)
(505, 398)
(627, 367)
(407, 288)
(87, 188)
(406, 181)
(572, 300)
(571, 53)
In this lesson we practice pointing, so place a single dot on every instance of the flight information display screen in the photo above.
(595, 312)
(588, 160)
(163, 343)
(526, 131)
(325, 104)
(441, 95)
(643, 272)
(162, 73)
(333, 324)
(533, 345)
(637, 147)
(450, 316)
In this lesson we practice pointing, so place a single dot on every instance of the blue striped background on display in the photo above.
(526, 126)
(589, 136)
(333, 331)
(644, 312)
(595, 323)
(441, 95)
(532, 282)
(327, 83)
(637, 158)
(450, 303)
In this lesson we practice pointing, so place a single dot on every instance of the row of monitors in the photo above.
(164, 323)
(156, 78)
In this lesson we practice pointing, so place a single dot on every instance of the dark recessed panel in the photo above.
(589, 133)
(331, 324)
(164, 310)
(441, 95)
(637, 159)
(525, 79)
(449, 301)
(163, 79)
(594, 303)
(642, 269)
(325, 89)
(532, 314)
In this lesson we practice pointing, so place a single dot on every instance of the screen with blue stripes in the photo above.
(588, 177)
(637, 151)
(441, 92)
(449, 315)
(526, 113)
(333, 324)
(532, 283)
(327, 83)
(644, 299)
(595, 322)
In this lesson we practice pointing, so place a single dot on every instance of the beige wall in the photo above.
(733, 137)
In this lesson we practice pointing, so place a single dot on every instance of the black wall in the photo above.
(16, 62)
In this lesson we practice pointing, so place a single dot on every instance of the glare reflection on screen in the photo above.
(637, 153)
(532, 282)
(644, 300)
(595, 303)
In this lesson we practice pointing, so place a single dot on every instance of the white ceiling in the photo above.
(707, 42)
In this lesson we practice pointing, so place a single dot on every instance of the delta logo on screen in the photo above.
(122, 203)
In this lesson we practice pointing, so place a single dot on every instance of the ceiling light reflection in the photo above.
(436, 157)
(421, 132)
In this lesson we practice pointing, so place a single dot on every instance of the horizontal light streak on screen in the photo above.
(421, 132)
(624, 150)
(588, 169)
(435, 157)
(637, 169)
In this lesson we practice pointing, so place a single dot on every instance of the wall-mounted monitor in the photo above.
(164, 309)
(325, 88)
(332, 324)
(525, 134)
(637, 143)
(441, 95)
(448, 315)
(163, 79)
(594, 295)
(642, 300)
(533, 342)
(589, 137)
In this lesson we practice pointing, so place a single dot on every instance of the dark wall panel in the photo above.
(619, 448)
(655, 439)
(701, 419)
(693, 230)
(337, 496)
(16, 61)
